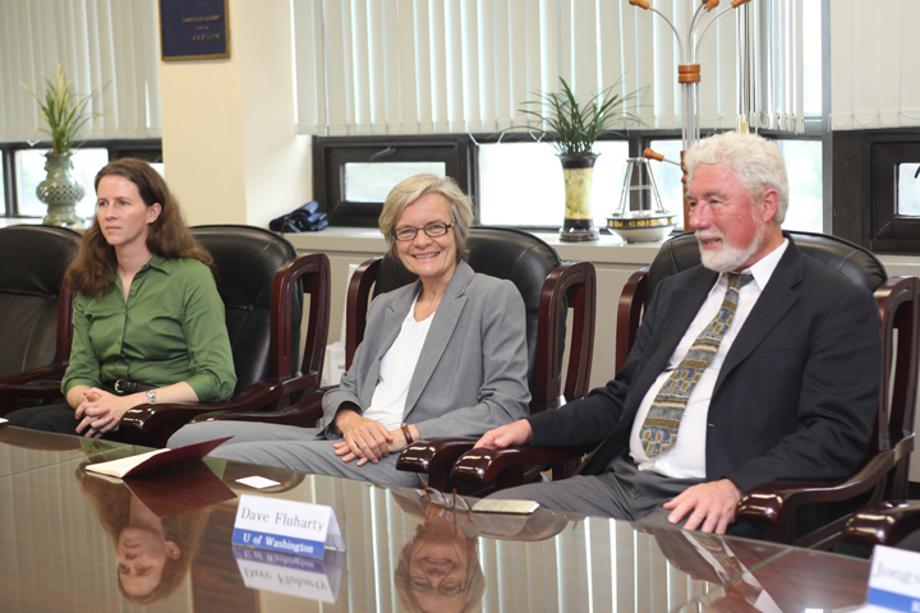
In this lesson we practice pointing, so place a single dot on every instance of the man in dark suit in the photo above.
(734, 379)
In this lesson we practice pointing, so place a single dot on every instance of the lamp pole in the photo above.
(688, 75)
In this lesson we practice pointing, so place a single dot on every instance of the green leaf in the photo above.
(64, 111)
(577, 125)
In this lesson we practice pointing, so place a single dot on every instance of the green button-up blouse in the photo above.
(171, 328)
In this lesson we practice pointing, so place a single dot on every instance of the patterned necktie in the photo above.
(659, 431)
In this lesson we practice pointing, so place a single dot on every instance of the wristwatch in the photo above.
(151, 396)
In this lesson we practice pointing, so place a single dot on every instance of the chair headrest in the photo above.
(42, 253)
(854, 262)
(247, 259)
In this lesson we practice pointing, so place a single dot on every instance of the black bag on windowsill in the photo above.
(306, 218)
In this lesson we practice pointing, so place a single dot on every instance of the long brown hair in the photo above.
(92, 271)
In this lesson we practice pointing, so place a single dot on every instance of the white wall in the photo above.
(230, 145)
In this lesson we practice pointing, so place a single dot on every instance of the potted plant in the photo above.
(64, 113)
(576, 126)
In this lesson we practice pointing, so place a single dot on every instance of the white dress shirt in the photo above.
(687, 457)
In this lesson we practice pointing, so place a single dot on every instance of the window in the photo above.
(352, 175)
(908, 199)
(803, 165)
(372, 181)
(5, 208)
(520, 184)
(668, 177)
(30, 171)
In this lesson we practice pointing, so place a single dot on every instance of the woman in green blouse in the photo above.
(148, 323)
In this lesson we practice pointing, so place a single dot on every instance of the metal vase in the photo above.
(578, 171)
(60, 191)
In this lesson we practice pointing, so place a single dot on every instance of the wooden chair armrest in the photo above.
(434, 457)
(883, 524)
(773, 502)
(55, 370)
(45, 391)
(774, 506)
(157, 422)
(305, 413)
(502, 466)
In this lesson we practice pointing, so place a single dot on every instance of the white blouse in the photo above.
(388, 406)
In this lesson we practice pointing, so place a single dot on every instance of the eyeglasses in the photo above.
(432, 230)
(447, 587)
(451, 501)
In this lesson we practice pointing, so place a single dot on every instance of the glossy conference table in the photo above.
(71, 541)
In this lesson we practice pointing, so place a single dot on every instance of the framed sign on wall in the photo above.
(194, 29)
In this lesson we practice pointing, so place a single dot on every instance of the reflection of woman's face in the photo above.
(439, 567)
(142, 554)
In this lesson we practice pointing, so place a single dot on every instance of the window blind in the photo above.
(874, 80)
(432, 66)
(108, 44)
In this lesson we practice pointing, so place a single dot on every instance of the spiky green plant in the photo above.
(577, 125)
(64, 111)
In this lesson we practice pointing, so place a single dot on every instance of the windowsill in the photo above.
(17, 221)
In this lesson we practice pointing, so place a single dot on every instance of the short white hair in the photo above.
(756, 161)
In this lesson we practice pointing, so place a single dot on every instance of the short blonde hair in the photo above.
(409, 190)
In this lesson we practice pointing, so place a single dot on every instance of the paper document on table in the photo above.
(156, 459)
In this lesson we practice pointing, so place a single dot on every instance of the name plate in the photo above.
(894, 579)
(296, 528)
(295, 576)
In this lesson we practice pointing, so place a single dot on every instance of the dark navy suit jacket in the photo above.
(797, 394)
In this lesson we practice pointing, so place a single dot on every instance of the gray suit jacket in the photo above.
(472, 372)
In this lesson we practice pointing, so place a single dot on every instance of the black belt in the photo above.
(123, 387)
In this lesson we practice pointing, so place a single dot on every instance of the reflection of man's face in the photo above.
(439, 567)
(142, 554)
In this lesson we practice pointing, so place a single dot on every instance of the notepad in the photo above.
(155, 460)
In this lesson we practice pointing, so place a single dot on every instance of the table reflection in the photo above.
(155, 525)
(74, 541)
(438, 569)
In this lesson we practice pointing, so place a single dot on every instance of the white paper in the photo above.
(119, 468)
(257, 482)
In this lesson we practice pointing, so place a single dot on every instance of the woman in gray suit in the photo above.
(445, 356)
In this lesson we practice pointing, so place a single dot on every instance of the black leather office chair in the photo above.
(780, 508)
(261, 281)
(34, 307)
(549, 288)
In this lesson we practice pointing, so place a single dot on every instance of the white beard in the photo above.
(728, 258)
